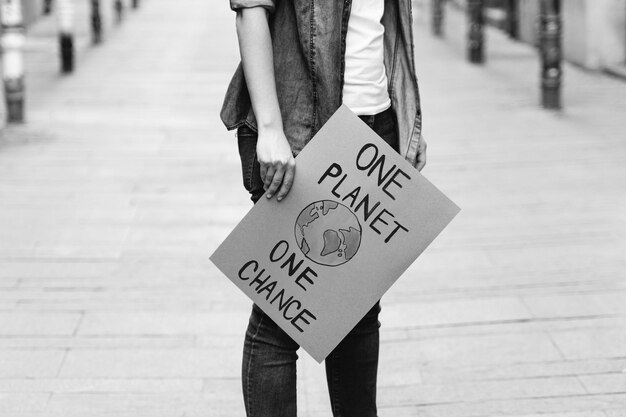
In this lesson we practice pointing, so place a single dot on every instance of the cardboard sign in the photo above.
(356, 217)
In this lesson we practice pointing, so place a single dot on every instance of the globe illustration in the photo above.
(328, 233)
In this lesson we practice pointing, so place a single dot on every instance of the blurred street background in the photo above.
(121, 181)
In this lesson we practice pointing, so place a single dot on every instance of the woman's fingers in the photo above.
(275, 181)
(269, 175)
(290, 173)
(263, 171)
(278, 178)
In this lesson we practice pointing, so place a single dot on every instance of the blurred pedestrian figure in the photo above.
(299, 65)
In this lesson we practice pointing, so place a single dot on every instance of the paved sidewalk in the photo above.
(124, 181)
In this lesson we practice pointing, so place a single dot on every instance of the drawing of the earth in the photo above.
(328, 233)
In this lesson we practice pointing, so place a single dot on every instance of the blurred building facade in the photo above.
(594, 31)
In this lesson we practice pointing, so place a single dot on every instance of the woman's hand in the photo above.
(420, 161)
(278, 166)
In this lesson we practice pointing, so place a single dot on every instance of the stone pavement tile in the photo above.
(51, 270)
(192, 249)
(557, 406)
(564, 255)
(164, 323)
(592, 343)
(434, 271)
(473, 350)
(97, 299)
(223, 402)
(515, 270)
(616, 413)
(586, 304)
(8, 305)
(312, 388)
(156, 363)
(105, 342)
(448, 312)
(19, 404)
(199, 216)
(51, 249)
(410, 351)
(488, 283)
(400, 372)
(37, 232)
(566, 414)
(153, 272)
(175, 234)
(106, 385)
(24, 414)
(443, 373)
(8, 283)
(605, 383)
(477, 391)
(587, 323)
(40, 324)
(30, 363)
(539, 325)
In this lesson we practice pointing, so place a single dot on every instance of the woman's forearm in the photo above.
(277, 164)
(255, 46)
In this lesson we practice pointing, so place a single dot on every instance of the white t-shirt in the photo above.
(365, 82)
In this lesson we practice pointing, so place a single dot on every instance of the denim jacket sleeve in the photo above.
(270, 5)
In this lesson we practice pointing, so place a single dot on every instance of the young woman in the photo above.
(300, 61)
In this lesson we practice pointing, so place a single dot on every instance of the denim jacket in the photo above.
(309, 41)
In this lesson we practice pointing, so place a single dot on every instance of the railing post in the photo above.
(65, 19)
(12, 42)
(119, 11)
(512, 19)
(475, 35)
(550, 47)
(96, 22)
(437, 17)
(47, 7)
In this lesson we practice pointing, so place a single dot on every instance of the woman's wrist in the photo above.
(269, 123)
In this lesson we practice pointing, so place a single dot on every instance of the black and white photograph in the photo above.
(313, 208)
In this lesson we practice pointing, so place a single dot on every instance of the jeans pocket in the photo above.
(246, 142)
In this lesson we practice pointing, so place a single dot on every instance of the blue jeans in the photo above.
(269, 356)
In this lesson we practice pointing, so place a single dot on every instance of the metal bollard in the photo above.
(47, 7)
(512, 19)
(475, 35)
(550, 29)
(96, 22)
(119, 11)
(12, 42)
(65, 19)
(437, 16)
